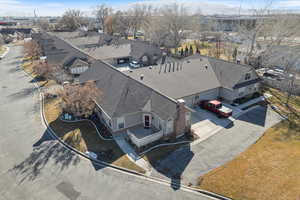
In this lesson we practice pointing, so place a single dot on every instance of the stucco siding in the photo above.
(133, 119)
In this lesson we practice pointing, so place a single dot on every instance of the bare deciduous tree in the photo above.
(139, 17)
(72, 20)
(79, 99)
(121, 23)
(267, 30)
(45, 70)
(32, 49)
(102, 12)
(175, 20)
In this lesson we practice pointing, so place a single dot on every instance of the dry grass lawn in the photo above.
(269, 169)
(83, 136)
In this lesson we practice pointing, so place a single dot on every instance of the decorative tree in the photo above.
(79, 100)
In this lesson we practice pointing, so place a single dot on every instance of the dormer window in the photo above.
(247, 76)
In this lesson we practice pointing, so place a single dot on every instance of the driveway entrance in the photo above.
(205, 123)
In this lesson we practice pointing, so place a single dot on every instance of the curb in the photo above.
(105, 164)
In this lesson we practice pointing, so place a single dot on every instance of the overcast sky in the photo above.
(56, 7)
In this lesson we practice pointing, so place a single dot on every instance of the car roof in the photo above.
(215, 102)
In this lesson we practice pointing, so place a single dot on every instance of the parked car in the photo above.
(217, 107)
(134, 64)
(91, 155)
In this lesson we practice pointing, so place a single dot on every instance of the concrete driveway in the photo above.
(205, 123)
(35, 167)
(190, 162)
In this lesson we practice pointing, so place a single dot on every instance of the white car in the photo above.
(91, 155)
(134, 64)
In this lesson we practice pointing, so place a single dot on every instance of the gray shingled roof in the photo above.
(123, 95)
(193, 78)
(105, 47)
(228, 73)
(197, 74)
(58, 51)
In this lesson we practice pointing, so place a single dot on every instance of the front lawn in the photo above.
(269, 169)
(83, 136)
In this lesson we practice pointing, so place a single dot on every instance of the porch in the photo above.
(141, 136)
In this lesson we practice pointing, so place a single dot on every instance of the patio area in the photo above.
(141, 136)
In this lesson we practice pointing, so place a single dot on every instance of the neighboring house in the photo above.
(58, 52)
(114, 50)
(76, 66)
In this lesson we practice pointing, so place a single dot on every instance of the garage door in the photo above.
(208, 95)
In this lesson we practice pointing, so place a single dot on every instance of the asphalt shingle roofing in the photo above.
(123, 95)
(179, 80)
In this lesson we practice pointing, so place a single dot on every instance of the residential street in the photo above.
(193, 161)
(32, 166)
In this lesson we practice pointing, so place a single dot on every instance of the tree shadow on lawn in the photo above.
(46, 149)
(107, 151)
(173, 164)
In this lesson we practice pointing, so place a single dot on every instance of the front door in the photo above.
(147, 121)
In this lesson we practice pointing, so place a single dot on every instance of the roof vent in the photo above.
(130, 71)
(188, 61)
(150, 67)
(142, 76)
(206, 66)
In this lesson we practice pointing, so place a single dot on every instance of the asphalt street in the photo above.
(35, 167)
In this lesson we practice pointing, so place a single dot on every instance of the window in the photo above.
(121, 122)
(247, 76)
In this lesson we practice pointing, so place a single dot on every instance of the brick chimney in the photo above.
(180, 120)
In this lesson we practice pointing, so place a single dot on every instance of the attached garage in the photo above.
(206, 95)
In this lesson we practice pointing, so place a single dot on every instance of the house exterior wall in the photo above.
(206, 95)
(231, 95)
(226, 94)
(253, 75)
(133, 119)
(78, 69)
(104, 117)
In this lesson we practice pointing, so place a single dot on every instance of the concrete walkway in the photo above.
(131, 154)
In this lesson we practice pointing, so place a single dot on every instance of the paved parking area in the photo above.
(192, 161)
(205, 123)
